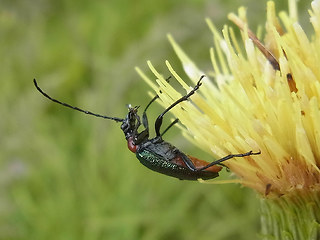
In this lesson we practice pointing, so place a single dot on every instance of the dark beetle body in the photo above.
(155, 153)
(162, 157)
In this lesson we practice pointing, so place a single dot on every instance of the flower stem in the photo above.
(292, 216)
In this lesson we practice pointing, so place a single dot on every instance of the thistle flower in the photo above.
(261, 96)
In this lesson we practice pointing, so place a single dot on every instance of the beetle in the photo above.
(155, 153)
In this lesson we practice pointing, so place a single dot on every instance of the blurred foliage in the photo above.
(64, 175)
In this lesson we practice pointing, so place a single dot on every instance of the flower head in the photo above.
(260, 96)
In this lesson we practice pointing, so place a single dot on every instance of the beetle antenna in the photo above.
(72, 107)
(158, 122)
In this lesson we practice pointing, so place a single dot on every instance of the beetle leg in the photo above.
(145, 133)
(144, 115)
(226, 167)
(137, 124)
(141, 136)
(188, 162)
(192, 167)
(158, 122)
(171, 124)
(219, 161)
(135, 133)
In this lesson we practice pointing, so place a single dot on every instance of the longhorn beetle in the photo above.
(155, 153)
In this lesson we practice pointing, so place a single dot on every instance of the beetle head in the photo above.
(131, 123)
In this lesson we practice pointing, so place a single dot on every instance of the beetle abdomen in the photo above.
(159, 164)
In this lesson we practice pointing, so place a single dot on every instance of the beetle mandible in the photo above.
(155, 153)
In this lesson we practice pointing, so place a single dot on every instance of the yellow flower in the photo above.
(259, 97)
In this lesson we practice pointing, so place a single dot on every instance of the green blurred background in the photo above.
(65, 175)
